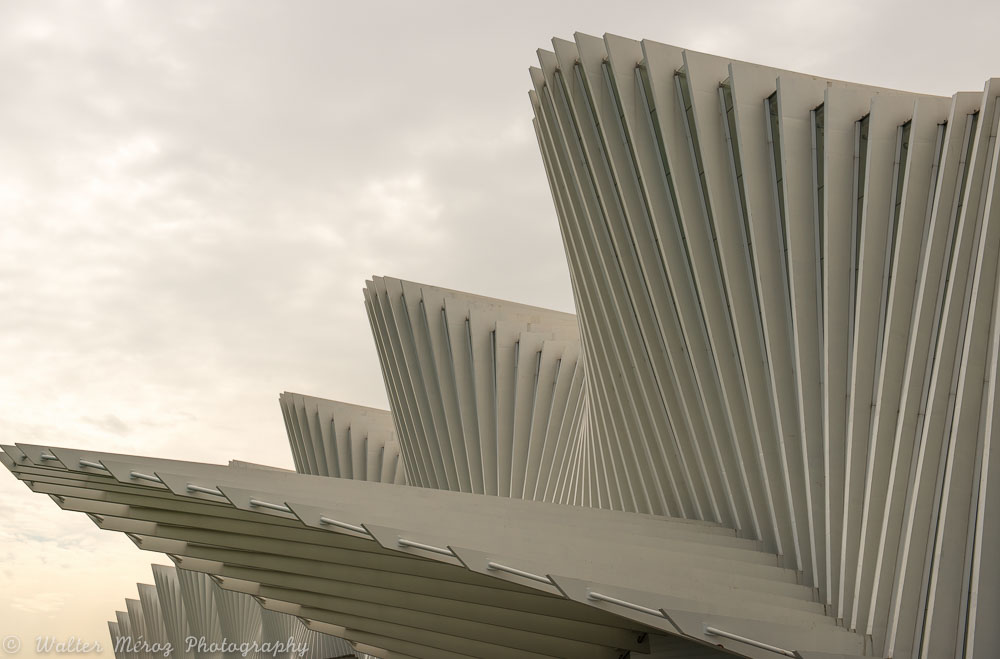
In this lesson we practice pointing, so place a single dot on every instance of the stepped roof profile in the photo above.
(767, 430)
(188, 613)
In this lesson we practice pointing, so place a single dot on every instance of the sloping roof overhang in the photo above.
(443, 574)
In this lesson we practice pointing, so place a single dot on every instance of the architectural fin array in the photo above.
(189, 613)
(772, 413)
(429, 573)
(330, 438)
(487, 396)
(791, 282)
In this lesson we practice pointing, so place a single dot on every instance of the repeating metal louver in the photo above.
(330, 438)
(198, 594)
(243, 621)
(791, 282)
(168, 590)
(782, 381)
(125, 629)
(427, 573)
(278, 627)
(152, 615)
(239, 616)
(137, 626)
(487, 396)
(322, 646)
(114, 630)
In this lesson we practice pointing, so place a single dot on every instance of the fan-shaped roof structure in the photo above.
(791, 282)
(487, 395)
(421, 572)
(162, 619)
(772, 413)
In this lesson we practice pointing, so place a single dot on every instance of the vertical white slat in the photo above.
(138, 627)
(947, 593)
(692, 365)
(117, 642)
(400, 336)
(657, 442)
(547, 362)
(322, 431)
(691, 369)
(604, 346)
(505, 352)
(903, 234)
(691, 231)
(765, 318)
(411, 466)
(293, 436)
(982, 634)
(309, 446)
(156, 630)
(480, 333)
(842, 108)
(566, 429)
(667, 175)
(887, 113)
(125, 629)
(323, 456)
(645, 276)
(409, 432)
(172, 607)
(439, 333)
(429, 395)
(239, 616)
(406, 318)
(917, 178)
(711, 140)
(926, 477)
(797, 96)
(605, 232)
(464, 384)
(197, 592)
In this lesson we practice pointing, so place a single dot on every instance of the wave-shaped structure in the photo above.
(191, 615)
(796, 277)
(772, 413)
(419, 572)
(331, 438)
(487, 395)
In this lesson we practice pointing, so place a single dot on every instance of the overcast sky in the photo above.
(193, 194)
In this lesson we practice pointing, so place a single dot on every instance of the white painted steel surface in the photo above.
(829, 251)
(780, 386)
(183, 600)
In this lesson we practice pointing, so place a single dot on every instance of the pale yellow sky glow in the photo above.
(192, 195)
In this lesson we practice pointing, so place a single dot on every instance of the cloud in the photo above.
(40, 603)
(109, 423)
